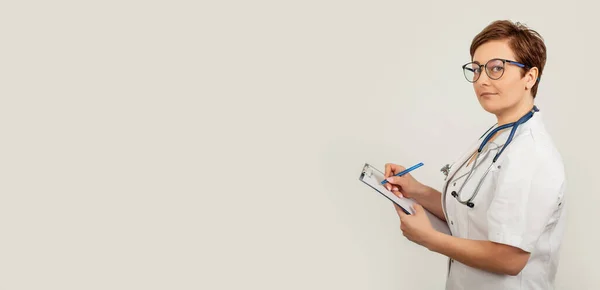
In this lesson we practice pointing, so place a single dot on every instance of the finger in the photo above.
(397, 192)
(397, 168)
(395, 180)
(388, 169)
(391, 169)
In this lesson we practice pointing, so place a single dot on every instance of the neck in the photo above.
(515, 113)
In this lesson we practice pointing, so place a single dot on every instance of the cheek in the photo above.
(500, 88)
(503, 86)
(510, 89)
(511, 84)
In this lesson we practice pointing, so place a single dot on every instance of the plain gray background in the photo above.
(217, 144)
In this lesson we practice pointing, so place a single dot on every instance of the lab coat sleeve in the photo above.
(527, 194)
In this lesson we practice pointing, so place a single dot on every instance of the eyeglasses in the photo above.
(494, 68)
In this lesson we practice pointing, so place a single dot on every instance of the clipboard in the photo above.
(373, 177)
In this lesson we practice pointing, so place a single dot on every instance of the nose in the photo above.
(484, 79)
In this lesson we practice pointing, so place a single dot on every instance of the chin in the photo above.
(490, 106)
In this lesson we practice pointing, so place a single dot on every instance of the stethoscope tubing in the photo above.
(514, 125)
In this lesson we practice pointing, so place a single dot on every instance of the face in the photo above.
(507, 92)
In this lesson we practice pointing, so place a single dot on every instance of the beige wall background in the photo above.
(217, 144)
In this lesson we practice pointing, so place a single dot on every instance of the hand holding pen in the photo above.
(400, 182)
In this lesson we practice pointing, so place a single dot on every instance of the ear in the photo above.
(531, 78)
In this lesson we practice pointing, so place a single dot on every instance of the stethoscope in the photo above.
(446, 169)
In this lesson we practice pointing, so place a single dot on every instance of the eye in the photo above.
(497, 68)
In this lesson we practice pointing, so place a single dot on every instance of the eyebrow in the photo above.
(488, 59)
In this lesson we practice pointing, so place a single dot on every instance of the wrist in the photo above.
(423, 191)
(434, 240)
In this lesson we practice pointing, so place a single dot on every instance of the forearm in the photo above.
(484, 255)
(431, 200)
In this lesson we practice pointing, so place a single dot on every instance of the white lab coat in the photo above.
(520, 203)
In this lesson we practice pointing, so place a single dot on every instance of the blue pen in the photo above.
(404, 172)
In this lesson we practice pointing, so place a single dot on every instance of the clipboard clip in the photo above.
(367, 171)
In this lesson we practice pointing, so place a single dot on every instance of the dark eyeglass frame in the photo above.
(479, 66)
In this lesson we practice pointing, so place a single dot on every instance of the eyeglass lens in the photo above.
(494, 70)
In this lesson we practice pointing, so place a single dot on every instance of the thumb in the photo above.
(418, 208)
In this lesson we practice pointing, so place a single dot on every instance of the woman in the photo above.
(504, 199)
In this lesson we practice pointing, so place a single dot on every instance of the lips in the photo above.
(487, 94)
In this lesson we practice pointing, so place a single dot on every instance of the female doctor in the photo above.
(504, 198)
